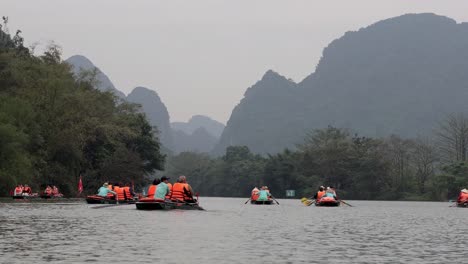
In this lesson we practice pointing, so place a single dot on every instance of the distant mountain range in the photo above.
(200, 133)
(398, 76)
(401, 75)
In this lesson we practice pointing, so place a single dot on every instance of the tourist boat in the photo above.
(269, 201)
(158, 204)
(327, 201)
(51, 196)
(96, 199)
(23, 197)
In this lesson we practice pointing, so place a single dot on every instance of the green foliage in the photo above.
(54, 127)
(359, 167)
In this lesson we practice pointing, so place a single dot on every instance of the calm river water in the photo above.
(231, 232)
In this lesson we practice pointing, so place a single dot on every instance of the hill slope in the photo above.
(400, 75)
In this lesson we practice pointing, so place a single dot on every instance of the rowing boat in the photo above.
(159, 204)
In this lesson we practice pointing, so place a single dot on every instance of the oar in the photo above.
(274, 199)
(346, 203)
(307, 201)
(109, 205)
(247, 201)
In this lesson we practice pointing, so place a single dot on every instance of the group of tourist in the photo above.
(162, 189)
(325, 192)
(21, 190)
(117, 191)
(262, 194)
(52, 191)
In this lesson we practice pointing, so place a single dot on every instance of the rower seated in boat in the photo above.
(263, 194)
(463, 196)
(254, 194)
(162, 189)
(182, 191)
(330, 192)
(153, 187)
(104, 190)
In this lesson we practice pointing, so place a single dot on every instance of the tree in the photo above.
(453, 138)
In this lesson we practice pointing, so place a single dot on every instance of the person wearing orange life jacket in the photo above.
(153, 187)
(128, 193)
(254, 194)
(18, 190)
(463, 196)
(27, 190)
(48, 190)
(320, 193)
(182, 191)
(119, 190)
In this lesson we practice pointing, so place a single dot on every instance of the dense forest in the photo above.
(55, 126)
(390, 168)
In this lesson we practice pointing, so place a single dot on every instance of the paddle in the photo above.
(346, 203)
(247, 201)
(274, 199)
(108, 205)
(307, 201)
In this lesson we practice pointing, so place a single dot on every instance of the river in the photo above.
(230, 231)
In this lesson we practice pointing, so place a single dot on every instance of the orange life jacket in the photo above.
(254, 196)
(18, 190)
(152, 190)
(463, 197)
(127, 193)
(320, 194)
(27, 189)
(178, 192)
(120, 193)
(169, 185)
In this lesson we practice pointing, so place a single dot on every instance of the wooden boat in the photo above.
(24, 197)
(51, 196)
(158, 204)
(327, 201)
(269, 201)
(95, 199)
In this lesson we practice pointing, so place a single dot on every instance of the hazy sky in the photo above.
(201, 56)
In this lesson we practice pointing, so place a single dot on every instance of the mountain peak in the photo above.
(81, 63)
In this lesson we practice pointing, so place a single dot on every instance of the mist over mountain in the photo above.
(156, 113)
(401, 75)
(80, 63)
(198, 141)
(213, 127)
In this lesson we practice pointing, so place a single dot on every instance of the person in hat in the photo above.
(163, 189)
(463, 196)
(104, 190)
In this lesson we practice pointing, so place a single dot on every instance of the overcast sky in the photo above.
(201, 56)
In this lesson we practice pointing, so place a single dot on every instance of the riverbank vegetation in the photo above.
(55, 126)
(390, 168)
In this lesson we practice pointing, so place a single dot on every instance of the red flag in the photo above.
(80, 186)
